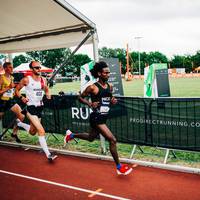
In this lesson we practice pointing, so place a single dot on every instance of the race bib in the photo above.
(104, 109)
(38, 93)
(8, 93)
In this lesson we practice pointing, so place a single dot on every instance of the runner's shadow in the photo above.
(125, 177)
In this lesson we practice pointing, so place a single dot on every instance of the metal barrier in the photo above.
(175, 123)
(165, 122)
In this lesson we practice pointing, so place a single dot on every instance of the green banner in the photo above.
(149, 80)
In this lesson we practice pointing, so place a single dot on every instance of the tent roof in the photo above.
(27, 25)
(24, 67)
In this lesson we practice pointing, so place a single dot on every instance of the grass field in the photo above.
(179, 87)
(182, 87)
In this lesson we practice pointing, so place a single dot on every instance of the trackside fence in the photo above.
(164, 122)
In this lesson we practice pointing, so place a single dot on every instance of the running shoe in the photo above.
(52, 157)
(124, 170)
(16, 138)
(68, 136)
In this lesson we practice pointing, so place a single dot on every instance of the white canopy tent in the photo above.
(28, 25)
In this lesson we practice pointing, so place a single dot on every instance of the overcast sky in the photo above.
(169, 26)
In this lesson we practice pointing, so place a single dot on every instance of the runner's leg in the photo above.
(41, 133)
(20, 117)
(105, 131)
(87, 136)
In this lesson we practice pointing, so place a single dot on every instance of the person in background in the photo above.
(101, 98)
(6, 97)
(1, 69)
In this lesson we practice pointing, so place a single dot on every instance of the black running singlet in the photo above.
(104, 97)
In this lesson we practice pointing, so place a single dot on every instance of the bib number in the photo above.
(8, 94)
(38, 93)
(104, 109)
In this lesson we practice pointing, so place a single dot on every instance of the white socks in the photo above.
(42, 139)
(43, 144)
(23, 125)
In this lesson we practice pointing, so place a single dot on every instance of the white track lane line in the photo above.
(63, 185)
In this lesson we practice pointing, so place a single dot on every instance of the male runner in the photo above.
(35, 87)
(101, 98)
(6, 97)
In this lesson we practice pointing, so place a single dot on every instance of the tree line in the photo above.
(54, 58)
(189, 62)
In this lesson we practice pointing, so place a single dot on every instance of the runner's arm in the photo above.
(113, 99)
(46, 90)
(89, 90)
(21, 84)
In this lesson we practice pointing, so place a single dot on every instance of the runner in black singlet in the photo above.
(100, 113)
(101, 99)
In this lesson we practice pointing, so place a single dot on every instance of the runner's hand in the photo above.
(24, 99)
(113, 100)
(48, 96)
(95, 104)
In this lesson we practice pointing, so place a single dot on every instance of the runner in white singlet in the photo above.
(35, 88)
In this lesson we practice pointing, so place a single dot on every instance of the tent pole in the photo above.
(71, 55)
(95, 47)
(10, 57)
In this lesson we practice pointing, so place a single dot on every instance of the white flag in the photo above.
(86, 76)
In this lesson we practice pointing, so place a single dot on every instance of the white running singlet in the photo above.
(34, 92)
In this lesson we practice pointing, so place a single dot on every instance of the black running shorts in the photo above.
(97, 118)
(35, 110)
(6, 105)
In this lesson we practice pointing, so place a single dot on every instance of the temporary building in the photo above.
(28, 25)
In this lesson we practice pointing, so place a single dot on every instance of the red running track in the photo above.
(75, 178)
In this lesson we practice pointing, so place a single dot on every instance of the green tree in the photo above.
(156, 57)
(146, 58)
(183, 62)
(77, 61)
(135, 61)
(177, 61)
(105, 52)
(121, 55)
(187, 63)
(196, 59)
(50, 58)
(18, 60)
